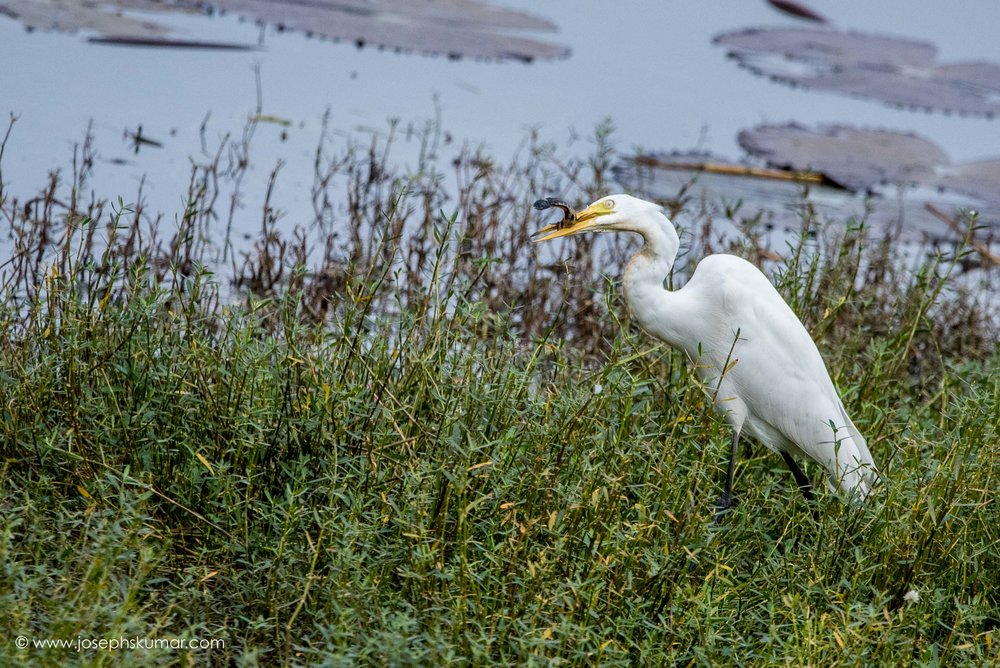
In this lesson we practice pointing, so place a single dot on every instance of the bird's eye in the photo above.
(609, 204)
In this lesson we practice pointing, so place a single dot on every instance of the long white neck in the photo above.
(658, 310)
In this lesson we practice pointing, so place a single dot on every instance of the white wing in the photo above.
(772, 381)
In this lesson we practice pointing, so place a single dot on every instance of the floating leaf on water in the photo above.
(456, 28)
(854, 158)
(825, 47)
(861, 159)
(106, 19)
(900, 72)
(446, 27)
(980, 179)
(746, 192)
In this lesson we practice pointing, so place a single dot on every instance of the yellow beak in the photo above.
(581, 222)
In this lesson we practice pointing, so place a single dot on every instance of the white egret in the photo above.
(753, 355)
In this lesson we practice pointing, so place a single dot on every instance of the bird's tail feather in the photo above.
(857, 471)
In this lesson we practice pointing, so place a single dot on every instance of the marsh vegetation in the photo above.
(396, 434)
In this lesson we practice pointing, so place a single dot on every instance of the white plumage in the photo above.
(754, 356)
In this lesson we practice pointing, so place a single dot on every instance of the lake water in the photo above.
(649, 66)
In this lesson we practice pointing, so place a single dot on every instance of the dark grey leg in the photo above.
(803, 482)
(800, 477)
(726, 500)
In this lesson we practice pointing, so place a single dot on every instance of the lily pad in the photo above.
(854, 158)
(455, 28)
(979, 179)
(776, 197)
(861, 159)
(900, 72)
(69, 16)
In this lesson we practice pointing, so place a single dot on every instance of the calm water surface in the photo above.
(650, 66)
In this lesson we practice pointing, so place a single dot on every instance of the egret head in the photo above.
(614, 213)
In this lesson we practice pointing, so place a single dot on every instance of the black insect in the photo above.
(549, 202)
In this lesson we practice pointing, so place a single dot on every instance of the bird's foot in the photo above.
(722, 506)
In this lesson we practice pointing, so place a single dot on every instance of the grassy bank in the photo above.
(431, 445)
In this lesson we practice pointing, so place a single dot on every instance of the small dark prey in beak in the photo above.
(549, 202)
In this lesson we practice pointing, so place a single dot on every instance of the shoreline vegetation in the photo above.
(397, 434)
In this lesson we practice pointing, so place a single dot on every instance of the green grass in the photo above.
(412, 478)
